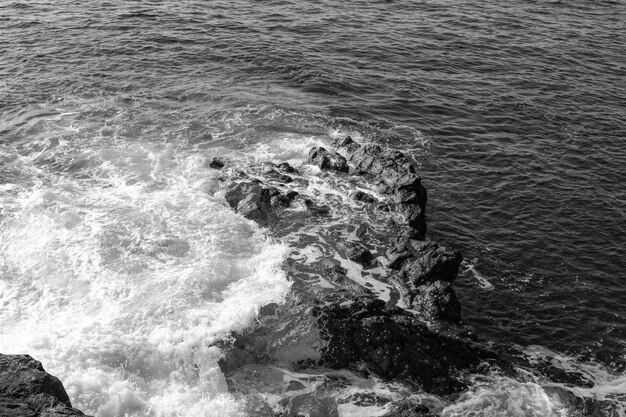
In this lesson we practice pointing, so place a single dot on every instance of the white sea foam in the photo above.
(120, 280)
(504, 397)
(607, 385)
(481, 279)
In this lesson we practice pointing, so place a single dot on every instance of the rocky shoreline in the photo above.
(416, 336)
(370, 296)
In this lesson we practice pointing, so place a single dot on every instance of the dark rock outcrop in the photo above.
(328, 161)
(27, 390)
(358, 253)
(364, 197)
(408, 408)
(395, 174)
(425, 271)
(393, 344)
(257, 202)
(363, 335)
(216, 163)
(340, 324)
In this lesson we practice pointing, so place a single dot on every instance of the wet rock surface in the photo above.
(409, 409)
(257, 202)
(344, 325)
(26, 390)
(328, 161)
(392, 343)
(394, 173)
(425, 271)
(371, 297)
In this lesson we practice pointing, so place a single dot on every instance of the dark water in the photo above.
(516, 112)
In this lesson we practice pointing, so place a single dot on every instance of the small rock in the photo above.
(364, 197)
(315, 210)
(328, 161)
(216, 163)
(358, 253)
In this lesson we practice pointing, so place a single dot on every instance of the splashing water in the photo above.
(120, 270)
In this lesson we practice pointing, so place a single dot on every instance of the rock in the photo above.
(314, 209)
(436, 301)
(286, 168)
(364, 197)
(425, 271)
(256, 202)
(333, 272)
(395, 174)
(358, 253)
(278, 172)
(328, 161)
(393, 344)
(311, 405)
(235, 356)
(216, 163)
(430, 262)
(277, 176)
(408, 408)
(26, 390)
(362, 335)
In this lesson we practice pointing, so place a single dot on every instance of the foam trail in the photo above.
(505, 397)
(122, 279)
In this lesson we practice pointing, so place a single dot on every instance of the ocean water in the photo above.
(122, 267)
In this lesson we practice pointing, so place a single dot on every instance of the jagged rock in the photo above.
(277, 176)
(425, 271)
(362, 334)
(408, 408)
(396, 175)
(358, 253)
(328, 161)
(310, 405)
(27, 390)
(333, 272)
(364, 197)
(286, 168)
(425, 262)
(216, 163)
(315, 209)
(235, 356)
(256, 202)
(393, 344)
(278, 172)
(436, 301)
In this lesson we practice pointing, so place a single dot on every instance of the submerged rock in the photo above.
(26, 390)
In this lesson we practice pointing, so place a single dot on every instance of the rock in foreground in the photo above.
(27, 390)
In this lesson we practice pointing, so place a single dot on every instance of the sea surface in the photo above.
(121, 265)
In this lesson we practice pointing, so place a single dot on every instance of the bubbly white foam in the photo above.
(122, 276)
(481, 279)
(608, 385)
(505, 397)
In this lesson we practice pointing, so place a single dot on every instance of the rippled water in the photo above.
(111, 222)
